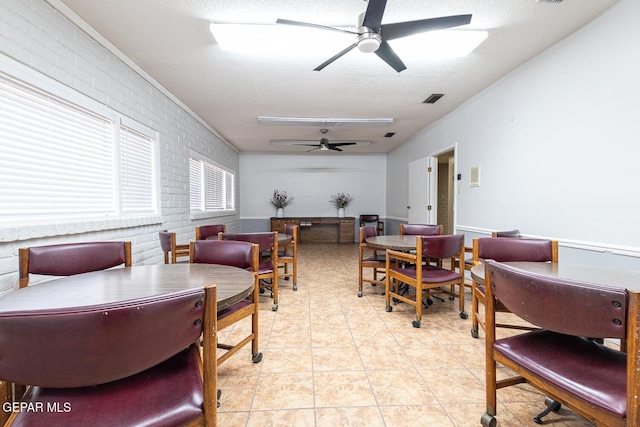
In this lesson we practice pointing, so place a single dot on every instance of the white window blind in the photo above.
(60, 160)
(211, 187)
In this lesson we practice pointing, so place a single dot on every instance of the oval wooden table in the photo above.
(282, 238)
(122, 284)
(398, 242)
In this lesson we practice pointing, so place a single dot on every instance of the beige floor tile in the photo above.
(454, 386)
(295, 417)
(283, 391)
(415, 416)
(336, 359)
(349, 417)
(326, 337)
(388, 358)
(346, 388)
(278, 360)
(400, 388)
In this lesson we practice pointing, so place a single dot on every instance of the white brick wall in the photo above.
(37, 35)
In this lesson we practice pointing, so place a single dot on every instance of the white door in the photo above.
(423, 189)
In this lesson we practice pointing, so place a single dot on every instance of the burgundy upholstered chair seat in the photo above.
(430, 274)
(168, 394)
(594, 373)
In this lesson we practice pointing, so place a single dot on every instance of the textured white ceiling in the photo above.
(171, 41)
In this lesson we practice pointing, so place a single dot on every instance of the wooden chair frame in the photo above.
(415, 278)
(369, 257)
(289, 255)
(204, 231)
(565, 328)
(176, 251)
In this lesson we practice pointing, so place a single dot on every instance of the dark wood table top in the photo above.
(282, 238)
(122, 284)
(604, 276)
(396, 242)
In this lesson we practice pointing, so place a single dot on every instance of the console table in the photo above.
(319, 229)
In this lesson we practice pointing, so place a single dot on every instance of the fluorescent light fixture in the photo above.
(293, 143)
(272, 39)
(322, 121)
(439, 44)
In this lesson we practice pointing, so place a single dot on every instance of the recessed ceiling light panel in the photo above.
(322, 121)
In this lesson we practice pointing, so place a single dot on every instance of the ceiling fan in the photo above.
(372, 35)
(323, 145)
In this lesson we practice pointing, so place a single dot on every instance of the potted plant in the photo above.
(341, 201)
(280, 200)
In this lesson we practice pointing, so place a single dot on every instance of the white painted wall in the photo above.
(311, 179)
(557, 142)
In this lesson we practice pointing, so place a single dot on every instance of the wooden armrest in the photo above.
(402, 256)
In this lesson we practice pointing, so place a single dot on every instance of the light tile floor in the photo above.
(333, 359)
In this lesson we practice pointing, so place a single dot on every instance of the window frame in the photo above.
(33, 227)
(226, 173)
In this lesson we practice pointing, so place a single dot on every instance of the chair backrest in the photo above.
(72, 258)
(560, 305)
(506, 233)
(292, 230)
(420, 229)
(204, 231)
(266, 240)
(166, 239)
(84, 346)
(366, 232)
(506, 249)
(369, 218)
(442, 247)
(226, 252)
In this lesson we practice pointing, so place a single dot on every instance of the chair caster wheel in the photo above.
(488, 420)
(261, 290)
(389, 309)
(429, 301)
(257, 358)
(218, 394)
(286, 278)
(451, 298)
(395, 300)
(359, 294)
(275, 307)
(552, 406)
(416, 323)
(474, 333)
(463, 315)
(295, 287)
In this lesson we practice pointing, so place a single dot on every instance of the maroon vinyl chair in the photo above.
(588, 377)
(421, 229)
(71, 258)
(236, 254)
(407, 268)
(289, 255)
(370, 258)
(505, 249)
(268, 269)
(366, 220)
(135, 362)
(204, 232)
(171, 248)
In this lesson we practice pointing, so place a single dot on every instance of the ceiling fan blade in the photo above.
(333, 58)
(342, 144)
(404, 29)
(389, 56)
(307, 24)
(373, 15)
(335, 148)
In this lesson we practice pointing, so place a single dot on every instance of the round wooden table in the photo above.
(396, 242)
(122, 284)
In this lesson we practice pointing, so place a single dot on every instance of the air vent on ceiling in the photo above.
(389, 134)
(433, 98)
(548, 1)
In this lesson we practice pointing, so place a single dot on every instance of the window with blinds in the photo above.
(60, 160)
(212, 188)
